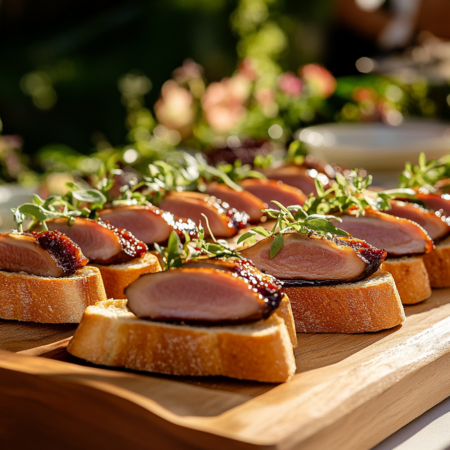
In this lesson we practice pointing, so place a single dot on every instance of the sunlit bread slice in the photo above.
(364, 306)
(411, 278)
(285, 312)
(437, 263)
(32, 298)
(109, 334)
(117, 277)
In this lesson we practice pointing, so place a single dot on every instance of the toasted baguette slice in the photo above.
(31, 298)
(285, 312)
(437, 263)
(117, 277)
(369, 305)
(109, 334)
(411, 278)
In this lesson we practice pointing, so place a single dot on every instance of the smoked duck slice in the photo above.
(100, 242)
(399, 237)
(296, 176)
(268, 190)
(314, 259)
(223, 221)
(435, 202)
(433, 223)
(149, 224)
(205, 295)
(46, 254)
(239, 200)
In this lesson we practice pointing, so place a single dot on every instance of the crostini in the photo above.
(44, 278)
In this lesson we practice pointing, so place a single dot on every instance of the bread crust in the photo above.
(411, 278)
(285, 312)
(109, 334)
(117, 277)
(365, 306)
(31, 298)
(437, 263)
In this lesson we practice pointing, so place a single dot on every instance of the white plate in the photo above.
(375, 146)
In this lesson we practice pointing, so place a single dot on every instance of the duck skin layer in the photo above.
(205, 295)
(436, 225)
(100, 242)
(399, 237)
(239, 200)
(45, 254)
(311, 259)
(149, 224)
(436, 202)
(223, 221)
(268, 190)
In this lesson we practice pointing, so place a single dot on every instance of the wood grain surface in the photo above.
(350, 392)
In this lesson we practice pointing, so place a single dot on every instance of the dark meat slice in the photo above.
(100, 242)
(239, 200)
(435, 224)
(436, 202)
(224, 221)
(46, 254)
(399, 237)
(148, 223)
(316, 259)
(296, 176)
(268, 190)
(205, 295)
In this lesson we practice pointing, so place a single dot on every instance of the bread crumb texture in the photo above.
(109, 334)
(31, 298)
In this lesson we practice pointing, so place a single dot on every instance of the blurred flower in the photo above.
(175, 109)
(188, 71)
(266, 99)
(319, 79)
(364, 94)
(290, 84)
(247, 69)
(223, 102)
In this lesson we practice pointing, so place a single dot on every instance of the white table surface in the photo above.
(430, 431)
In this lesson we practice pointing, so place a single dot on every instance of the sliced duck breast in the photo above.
(436, 202)
(100, 242)
(224, 221)
(399, 237)
(46, 254)
(314, 259)
(268, 190)
(149, 224)
(296, 176)
(435, 224)
(204, 295)
(239, 200)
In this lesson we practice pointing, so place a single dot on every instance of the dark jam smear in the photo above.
(67, 255)
(132, 248)
(236, 219)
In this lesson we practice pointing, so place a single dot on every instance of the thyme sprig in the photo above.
(176, 253)
(293, 219)
(425, 174)
(74, 204)
(351, 192)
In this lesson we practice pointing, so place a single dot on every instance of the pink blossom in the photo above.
(290, 84)
(247, 69)
(223, 102)
(265, 96)
(188, 71)
(319, 79)
(175, 109)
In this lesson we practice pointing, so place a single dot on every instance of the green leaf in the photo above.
(89, 196)
(245, 236)
(173, 243)
(276, 246)
(262, 231)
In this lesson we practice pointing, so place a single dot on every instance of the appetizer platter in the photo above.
(295, 311)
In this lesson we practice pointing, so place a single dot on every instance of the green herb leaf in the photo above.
(276, 246)
(89, 196)
(245, 236)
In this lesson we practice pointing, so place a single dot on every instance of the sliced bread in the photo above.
(31, 298)
(411, 278)
(364, 306)
(109, 334)
(437, 263)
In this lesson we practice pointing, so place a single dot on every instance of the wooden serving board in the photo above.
(349, 392)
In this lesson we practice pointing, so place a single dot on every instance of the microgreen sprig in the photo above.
(293, 219)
